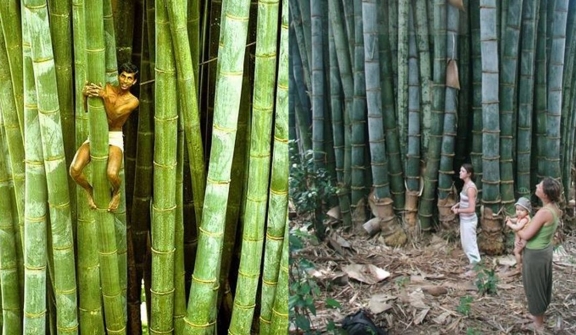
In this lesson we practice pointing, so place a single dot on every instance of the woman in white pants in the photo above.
(466, 209)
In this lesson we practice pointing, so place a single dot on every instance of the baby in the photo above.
(522, 220)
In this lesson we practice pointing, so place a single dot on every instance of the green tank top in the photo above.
(543, 237)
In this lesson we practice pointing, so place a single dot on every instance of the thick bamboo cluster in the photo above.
(205, 157)
(484, 82)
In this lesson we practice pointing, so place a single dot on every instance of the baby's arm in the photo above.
(518, 225)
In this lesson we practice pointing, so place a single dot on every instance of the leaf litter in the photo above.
(419, 288)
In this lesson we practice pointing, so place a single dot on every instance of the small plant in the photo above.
(472, 331)
(486, 280)
(464, 307)
(304, 291)
(402, 281)
(310, 187)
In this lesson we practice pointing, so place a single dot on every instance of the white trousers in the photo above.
(468, 238)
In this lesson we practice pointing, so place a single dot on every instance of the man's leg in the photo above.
(81, 159)
(114, 165)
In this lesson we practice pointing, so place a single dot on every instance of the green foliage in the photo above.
(486, 281)
(304, 291)
(464, 307)
(310, 188)
(402, 281)
(472, 331)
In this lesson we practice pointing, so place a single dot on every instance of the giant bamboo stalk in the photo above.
(189, 102)
(555, 75)
(90, 305)
(358, 112)
(318, 89)
(463, 136)
(477, 126)
(414, 127)
(568, 118)
(280, 310)
(62, 243)
(540, 97)
(35, 209)
(278, 195)
(435, 143)
(60, 28)
(15, 145)
(9, 262)
(421, 19)
(259, 166)
(491, 238)
(228, 88)
(526, 97)
(111, 291)
(509, 66)
(402, 15)
(12, 29)
(164, 207)
(446, 190)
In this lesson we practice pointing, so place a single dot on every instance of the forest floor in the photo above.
(422, 288)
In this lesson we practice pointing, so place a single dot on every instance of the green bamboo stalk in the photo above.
(378, 159)
(179, 270)
(555, 76)
(124, 28)
(402, 76)
(413, 152)
(490, 106)
(111, 63)
(15, 144)
(35, 209)
(9, 276)
(508, 85)
(278, 203)
(358, 112)
(347, 11)
(446, 170)
(526, 97)
(60, 28)
(259, 164)
(193, 25)
(317, 92)
(390, 119)
(435, 143)
(108, 257)
(421, 10)
(302, 118)
(338, 130)
(228, 90)
(306, 17)
(280, 309)
(64, 276)
(342, 44)
(567, 97)
(298, 32)
(10, 19)
(540, 97)
(90, 305)
(393, 25)
(188, 101)
(463, 138)
(476, 150)
(163, 207)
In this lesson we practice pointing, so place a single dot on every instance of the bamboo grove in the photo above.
(392, 97)
(201, 227)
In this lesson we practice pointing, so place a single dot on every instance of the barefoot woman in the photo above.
(118, 104)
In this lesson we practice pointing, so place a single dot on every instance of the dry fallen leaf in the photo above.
(507, 260)
(366, 273)
(435, 290)
(379, 303)
(418, 320)
(442, 318)
(417, 299)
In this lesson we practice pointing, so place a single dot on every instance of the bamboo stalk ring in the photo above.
(244, 306)
(35, 315)
(163, 293)
(243, 274)
(156, 251)
(205, 325)
(265, 321)
(209, 233)
(119, 331)
(203, 281)
(279, 313)
(274, 238)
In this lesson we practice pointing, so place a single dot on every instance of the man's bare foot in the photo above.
(113, 205)
(91, 202)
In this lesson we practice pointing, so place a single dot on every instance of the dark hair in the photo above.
(469, 168)
(552, 188)
(128, 68)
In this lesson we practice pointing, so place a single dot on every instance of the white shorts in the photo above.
(115, 138)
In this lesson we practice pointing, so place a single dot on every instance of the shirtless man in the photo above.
(118, 104)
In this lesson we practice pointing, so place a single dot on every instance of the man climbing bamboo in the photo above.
(118, 104)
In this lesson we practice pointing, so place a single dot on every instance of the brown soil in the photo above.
(426, 284)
